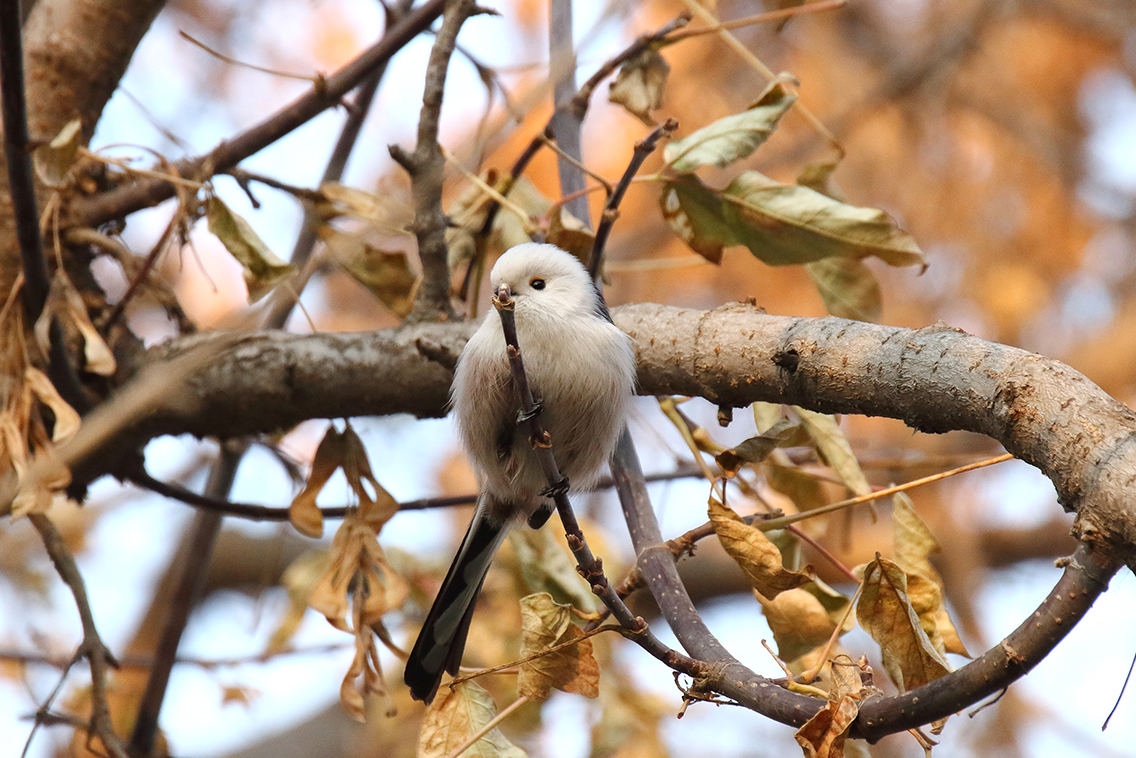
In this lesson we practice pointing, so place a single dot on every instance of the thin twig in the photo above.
(92, 647)
(21, 181)
(643, 148)
(759, 18)
(98, 209)
(191, 585)
(784, 521)
(143, 272)
(314, 79)
(255, 512)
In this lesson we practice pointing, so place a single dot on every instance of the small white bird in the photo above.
(581, 368)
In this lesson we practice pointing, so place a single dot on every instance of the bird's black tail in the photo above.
(442, 639)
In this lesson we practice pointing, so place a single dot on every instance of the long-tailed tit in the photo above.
(582, 369)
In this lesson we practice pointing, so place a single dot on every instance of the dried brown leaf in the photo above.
(914, 543)
(544, 625)
(757, 556)
(454, 717)
(824, 735)
(886, 613)
(640, 85)
(387, 274)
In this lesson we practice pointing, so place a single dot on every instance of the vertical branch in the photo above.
(565, 123)
(425, 166)
(92, 647)
(203, 534)
(21, 182)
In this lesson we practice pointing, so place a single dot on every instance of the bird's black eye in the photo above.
(537, 284)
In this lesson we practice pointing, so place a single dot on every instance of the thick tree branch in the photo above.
(934, 379)
(17, 148)
(76, 51)
(98, 209)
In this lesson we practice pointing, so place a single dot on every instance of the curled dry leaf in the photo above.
(65, 303)
(780, 224)
(262, 269)
(66, 418)
(544, 625)
(784, 433)
(357, 578)
(734, 137)
(886, 613)
(914, 542)
(758, 557)
(53, 161)
(824, 735)
(455, 716)
(640, 84)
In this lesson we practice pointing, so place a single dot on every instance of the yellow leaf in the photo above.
(752, 550)
(545, 624)
(454, 717)
(800, 622)
(886, 613)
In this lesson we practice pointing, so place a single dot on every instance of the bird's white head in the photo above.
(544, 277)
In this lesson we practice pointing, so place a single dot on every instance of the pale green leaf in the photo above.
(262, 269)
(731, 138)
(848, 287)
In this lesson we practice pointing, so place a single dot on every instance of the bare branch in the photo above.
(425, 166)
(92, 647)
(98, 209)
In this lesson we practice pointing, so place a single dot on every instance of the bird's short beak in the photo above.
(504, 294)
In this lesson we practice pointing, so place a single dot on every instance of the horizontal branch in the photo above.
(934, 379)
